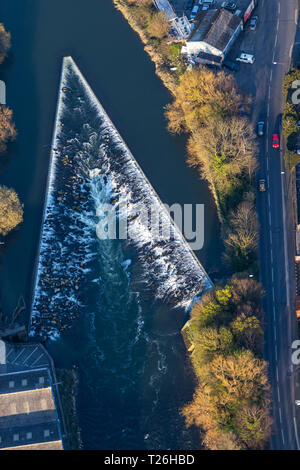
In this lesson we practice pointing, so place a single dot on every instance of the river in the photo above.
(130, 391)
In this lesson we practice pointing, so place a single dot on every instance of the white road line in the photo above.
(280, 417)
(277, 374)
(275, 342)
(274, 313)
(276, 357)
(278, 394)
(296, 433)
(282, 436)
(272, 274)
(271, 76)
(278, 8)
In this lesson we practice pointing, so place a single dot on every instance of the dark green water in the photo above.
(127, 390)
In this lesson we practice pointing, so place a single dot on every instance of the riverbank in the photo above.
(160, 66)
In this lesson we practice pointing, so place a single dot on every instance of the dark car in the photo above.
(262, 185)
(253, 23)
(260, 128)
(231, 65)
(189, 4)
(231, 6)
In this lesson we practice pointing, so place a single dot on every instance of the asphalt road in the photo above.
(272, 45)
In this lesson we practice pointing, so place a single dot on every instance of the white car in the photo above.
(246, 58)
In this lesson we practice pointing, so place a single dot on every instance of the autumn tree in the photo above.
(242, 235)
(158, 25)
(11, 210)
(203, 96)
(4, 42)
(7, 127)
(253, 424)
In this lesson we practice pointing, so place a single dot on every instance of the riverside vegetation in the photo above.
(11, 210)
(231, 404)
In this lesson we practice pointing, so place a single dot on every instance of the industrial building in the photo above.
(180, 25)
(213, 35)
(30, 411)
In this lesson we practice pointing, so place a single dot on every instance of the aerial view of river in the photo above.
(125, 342)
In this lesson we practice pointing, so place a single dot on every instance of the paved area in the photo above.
(272, 44)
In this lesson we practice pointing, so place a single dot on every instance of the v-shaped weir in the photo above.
(90, 164)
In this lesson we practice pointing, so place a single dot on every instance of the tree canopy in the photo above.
(11, 210)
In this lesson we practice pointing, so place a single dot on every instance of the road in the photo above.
(272, 45)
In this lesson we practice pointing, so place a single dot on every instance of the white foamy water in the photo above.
(90, 164)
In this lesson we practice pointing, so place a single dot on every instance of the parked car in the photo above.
(231, 65)
(298, 141)
(231, 6)
(260, 128)
(246, 58)
(253, 23)
(275, 141)
(262, 185)
(205, 7)
(298, 124)
(210, 2)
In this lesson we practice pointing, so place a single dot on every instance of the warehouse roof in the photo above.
(29, 418)
(215, 27)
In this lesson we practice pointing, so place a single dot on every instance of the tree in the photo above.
(253, 425)
(4, 42)
(242, 235)
(248, 332)
(238, 378)
(209, 342)
(7, 128)
(11, 210)
(158, 25)
(204, 96)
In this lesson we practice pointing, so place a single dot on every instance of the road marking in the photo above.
(275, 342)
(274, 313)
(271, 76)
(276, 353)
(282, 436)
(280, 417)
(272, 274)
(277, 373)
(291, 50)
(296, 433)
(278, 394)
(278, 8)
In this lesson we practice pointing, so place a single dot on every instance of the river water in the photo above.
(133, 368)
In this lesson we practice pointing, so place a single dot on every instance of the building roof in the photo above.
(28, 412)
(215, 27)
(166, 7)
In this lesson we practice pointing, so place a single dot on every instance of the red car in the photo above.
(275, 141)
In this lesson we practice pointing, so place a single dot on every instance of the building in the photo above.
(213, 35)
(180, 26)
(30, 411)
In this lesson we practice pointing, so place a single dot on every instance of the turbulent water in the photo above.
(91, 165)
